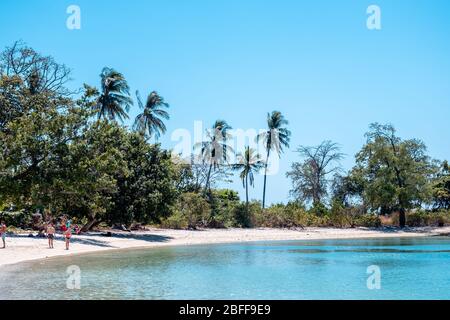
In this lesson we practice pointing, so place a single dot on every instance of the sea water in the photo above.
(401, 268)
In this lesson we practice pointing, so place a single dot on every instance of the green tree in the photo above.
(275, 138)
(441, 187)
(395, 172)
(53, 157)
(150, 121)
(13, 100)
(148, 190)
(114, 100)
(87, 182)
(248, 164)
(346, 189)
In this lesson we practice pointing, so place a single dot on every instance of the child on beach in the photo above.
(50, 235)
(3, 233)
(67, 236)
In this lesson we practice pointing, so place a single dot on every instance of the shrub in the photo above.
(416, 218)
(319, 209)
(191, 211)
(442, 218)
(344, 217)
(175, 221)
(289, 216)
(20, 218)
(247, 217)
(421, 218)
(224, 203)
(274, 217)
(368, 220)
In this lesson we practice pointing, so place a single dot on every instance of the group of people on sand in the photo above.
(50, 230)
(66, 228)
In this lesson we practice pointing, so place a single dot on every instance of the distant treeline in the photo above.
(68, 153)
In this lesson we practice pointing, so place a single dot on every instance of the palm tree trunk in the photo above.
(246, 191)
(208, 178)
(265, 179)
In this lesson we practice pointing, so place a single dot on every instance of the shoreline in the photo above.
(22, 248)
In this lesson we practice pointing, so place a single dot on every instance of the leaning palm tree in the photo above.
(215, 149)
(150, 121)
(274, 139)
(114, 101)
(248, 164)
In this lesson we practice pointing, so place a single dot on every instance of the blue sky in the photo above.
(238, 59)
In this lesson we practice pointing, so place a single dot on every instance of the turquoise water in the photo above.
(416, 268)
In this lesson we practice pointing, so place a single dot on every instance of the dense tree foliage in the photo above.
(148, 191)
(441, 187)
(395, 172)
(57, 158)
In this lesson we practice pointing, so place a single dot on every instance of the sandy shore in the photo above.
(23, 248)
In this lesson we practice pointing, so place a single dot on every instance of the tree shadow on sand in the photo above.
(88, 239)
(135, 236)
(389, 229)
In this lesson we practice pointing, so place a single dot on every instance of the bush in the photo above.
(175, 221)
(290, 216)
(191, 211)
(224, 203)
(274, 217)
(344, 217)
(247, 217)
(368, 220)
(416, 218)
(442, 218)
(20, 218)
(319, 209)
(422, 218)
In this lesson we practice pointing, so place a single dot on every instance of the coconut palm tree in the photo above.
(150, 121)
(114, 100)
(275, 138)
(215, 150)
(248, 164)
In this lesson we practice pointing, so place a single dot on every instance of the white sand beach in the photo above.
(24, 248)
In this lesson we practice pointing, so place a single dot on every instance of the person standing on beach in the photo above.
(50, 235)
(3, 233)
(67, 236)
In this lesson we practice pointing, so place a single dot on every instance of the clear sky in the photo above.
(315, 61)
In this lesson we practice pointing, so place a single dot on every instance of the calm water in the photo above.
(330, 269)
